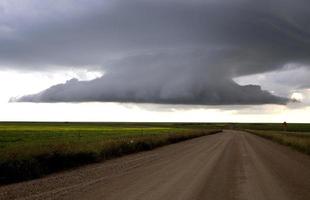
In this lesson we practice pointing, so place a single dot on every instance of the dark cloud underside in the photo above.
(178, 52)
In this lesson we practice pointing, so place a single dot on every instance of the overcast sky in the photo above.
(235, 58)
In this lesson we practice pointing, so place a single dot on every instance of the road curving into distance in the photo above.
(227, 165)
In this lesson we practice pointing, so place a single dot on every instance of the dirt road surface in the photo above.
(227, 165)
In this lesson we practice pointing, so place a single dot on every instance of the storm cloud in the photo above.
(173, 51)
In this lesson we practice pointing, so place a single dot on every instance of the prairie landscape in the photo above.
(94, 157)
(155, 100)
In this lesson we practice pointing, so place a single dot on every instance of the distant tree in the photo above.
(284, 126)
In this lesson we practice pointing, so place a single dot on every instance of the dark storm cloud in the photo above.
(79, 91)
(175, 51)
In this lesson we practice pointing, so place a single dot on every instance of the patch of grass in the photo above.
(298, 141)
(31, 150)
(291, 127)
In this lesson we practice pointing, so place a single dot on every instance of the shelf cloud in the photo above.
(171, 52)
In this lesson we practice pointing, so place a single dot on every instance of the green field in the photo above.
(297, 136)
(30, 150)
(299, 141)
(291, 127)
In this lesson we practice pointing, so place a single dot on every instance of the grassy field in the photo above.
(292, 127)
(296, 135)
(299, 141)
(30, 150)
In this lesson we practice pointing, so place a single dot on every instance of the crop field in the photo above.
(30, 150)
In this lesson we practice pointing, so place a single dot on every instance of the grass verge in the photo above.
(31, 162)
(298, 141)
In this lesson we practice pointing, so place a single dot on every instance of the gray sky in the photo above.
(164, 51)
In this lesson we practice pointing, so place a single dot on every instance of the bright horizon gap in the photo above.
(131, 112)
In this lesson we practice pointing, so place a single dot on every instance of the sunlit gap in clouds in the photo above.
(17, 83)
(292, 81)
